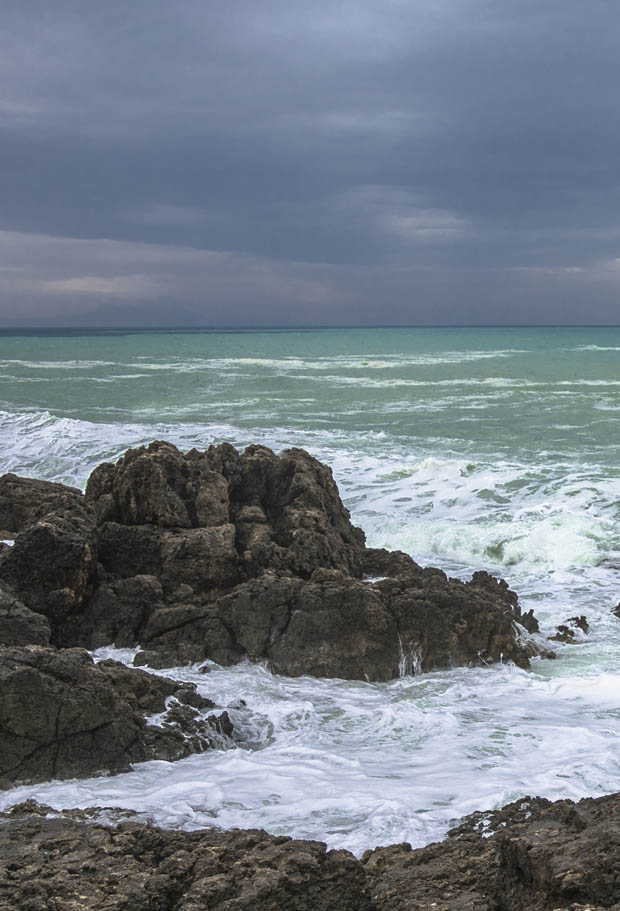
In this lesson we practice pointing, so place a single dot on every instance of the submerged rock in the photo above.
(61, 716)
(227, 555)
(566, 632)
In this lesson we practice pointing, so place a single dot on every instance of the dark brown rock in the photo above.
(25, 500)
(292, 502)
(283, 512)
(223, 555)
(532, 855)
(52, 567)
(565, 632)
(18, 624)
(159, 485)
(378, 562)
(443, 622)
(117, 612)
(61, 716)
(71, 864)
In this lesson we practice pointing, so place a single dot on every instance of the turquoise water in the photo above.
(468, 448)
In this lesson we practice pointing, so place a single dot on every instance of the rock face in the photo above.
(18, 624)
(53, 566)
(61, 716)
(534, 856)
(223, 555)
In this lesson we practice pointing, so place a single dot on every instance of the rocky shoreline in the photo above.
(228, 556)
(532, 855)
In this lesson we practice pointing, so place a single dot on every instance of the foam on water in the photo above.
(358, 764)
(501, 454)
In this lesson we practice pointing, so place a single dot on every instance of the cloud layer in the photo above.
(389, 162)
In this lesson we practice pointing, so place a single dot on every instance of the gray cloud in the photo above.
(243, 163)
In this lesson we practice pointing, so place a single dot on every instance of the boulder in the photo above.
(333, 625)
(444, 623)
(284, 511)
(61, 716)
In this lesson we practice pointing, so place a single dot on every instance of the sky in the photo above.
(276, 163)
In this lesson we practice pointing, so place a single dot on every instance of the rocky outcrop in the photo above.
(61, 716)
(63, 862)
(226, 555)
(532, 855)
(278, 512)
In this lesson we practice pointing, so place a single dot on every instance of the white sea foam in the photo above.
(359, 764)
(443, 466)
(56, 365)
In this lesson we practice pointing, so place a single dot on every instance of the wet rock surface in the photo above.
(532, 855)
(567, 632)
(61, 716)
(227, 555)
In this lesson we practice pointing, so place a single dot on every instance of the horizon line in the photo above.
(304, 328)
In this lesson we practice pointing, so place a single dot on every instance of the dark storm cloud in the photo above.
(244, 163)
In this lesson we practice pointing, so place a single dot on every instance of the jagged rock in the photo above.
(25, 500)
(52, 566)
(442, 622)
(159, 485)
(329, 626)
(149, 691)
(532, 855)
(335, 626)
(379, 562)
(223, 555)
(284, 511)
(18, 624)
(565, 632)
(57, 862)
(61, 716)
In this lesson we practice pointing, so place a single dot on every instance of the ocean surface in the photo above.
(470, 449)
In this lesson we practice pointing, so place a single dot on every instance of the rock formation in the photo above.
(61, 716)
(532, 855)
(223, 555)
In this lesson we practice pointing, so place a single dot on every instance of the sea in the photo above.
(469, 449)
